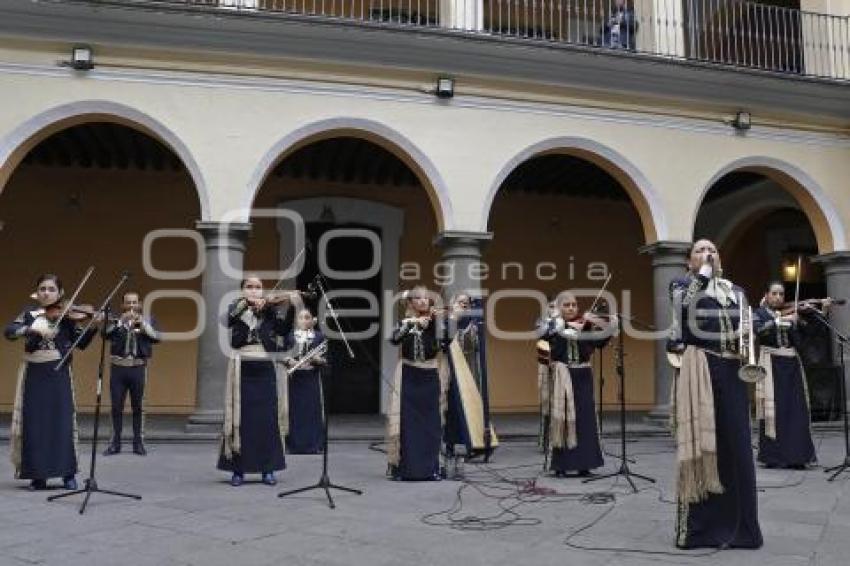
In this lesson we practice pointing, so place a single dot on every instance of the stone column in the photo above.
(668, 262)
(836, 267)
(225, 242)
(462, 251)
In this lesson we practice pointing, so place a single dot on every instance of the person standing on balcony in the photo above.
(619, 29)
(716, 478)
(132, 337)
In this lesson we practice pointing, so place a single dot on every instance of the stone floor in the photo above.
(507, 513)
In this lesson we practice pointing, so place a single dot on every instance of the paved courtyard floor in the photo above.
(507, 513)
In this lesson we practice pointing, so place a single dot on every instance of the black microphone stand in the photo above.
(621, 393)
(325, 482)
(842, 342)
(91, 482)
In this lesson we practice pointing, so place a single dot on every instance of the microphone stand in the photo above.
(91, 482)
(325, 482)
(842, 342)
(621, 393)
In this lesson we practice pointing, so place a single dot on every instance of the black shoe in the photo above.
(584, 473)
(112, 450)
(236, 479)
(269, 479)
(37, 485)
(70, 483)
(139, 448)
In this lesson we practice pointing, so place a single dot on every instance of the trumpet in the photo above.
(316, 352)
(750, 372)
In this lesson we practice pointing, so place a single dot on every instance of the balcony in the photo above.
(774, 36)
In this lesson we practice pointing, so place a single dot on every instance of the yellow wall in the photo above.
(42, 233)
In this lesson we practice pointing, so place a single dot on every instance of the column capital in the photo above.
(667, 253)
(451, 238)
(834, 262)
(224, 234)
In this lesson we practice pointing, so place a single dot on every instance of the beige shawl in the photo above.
(765, 396)
(563, 419)
(695, 429)
(16, 428)
(393, 434)
(233, 397)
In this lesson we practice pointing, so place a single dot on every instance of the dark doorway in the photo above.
(353, 385)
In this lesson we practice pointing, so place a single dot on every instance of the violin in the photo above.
(791, 308)
(77, 313)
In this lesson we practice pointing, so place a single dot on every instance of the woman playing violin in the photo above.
(414, 422)
(782, 400)
(256, 421)
(44, 429)
(573, 433)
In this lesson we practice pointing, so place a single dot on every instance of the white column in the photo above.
(462, 14)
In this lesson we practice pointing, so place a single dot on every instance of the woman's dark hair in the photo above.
(772, 283)
(245, 280)
(49, 277)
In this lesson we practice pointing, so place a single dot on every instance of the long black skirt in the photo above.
(305, 412)
(421, 429)
(47, 450)
(793, 445)
(259, 435)
(587, 454)
(730, 518)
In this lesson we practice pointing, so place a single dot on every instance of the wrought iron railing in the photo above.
(736, 33)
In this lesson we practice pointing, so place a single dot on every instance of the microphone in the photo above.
(710, 259)
(839, 302)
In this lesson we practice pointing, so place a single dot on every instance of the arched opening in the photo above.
(346, 180)
(87, 192)
(761, 229)
(580, 223)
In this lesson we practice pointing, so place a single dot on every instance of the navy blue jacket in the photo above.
(135, 343)
(67, 334)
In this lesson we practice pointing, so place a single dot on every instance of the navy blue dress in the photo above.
(305, 399)
(48, 415)
(587, 454)
(261, 445)
(421, 422)
(730, 518)
(793, 446)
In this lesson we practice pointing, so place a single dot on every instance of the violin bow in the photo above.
(294, 262)
(797, 285)
(70, 302)
(599, 294)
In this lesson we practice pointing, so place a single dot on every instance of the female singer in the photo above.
(716, 488)
(255, 419)
(414, 423)
(573, 433)
(782, 398)
(305, 388)
(43, 434)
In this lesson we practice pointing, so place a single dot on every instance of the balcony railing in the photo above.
(736, 33)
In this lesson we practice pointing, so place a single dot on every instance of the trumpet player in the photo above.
(305, 386)
(782, 400)
(716, 488)
(131, 338)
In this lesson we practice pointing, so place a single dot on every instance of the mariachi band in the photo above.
(439, 407)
